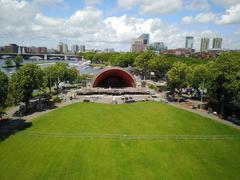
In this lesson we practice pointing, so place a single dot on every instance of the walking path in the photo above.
(205, 114)
(108, 99)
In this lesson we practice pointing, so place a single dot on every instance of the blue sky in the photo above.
(101, 24)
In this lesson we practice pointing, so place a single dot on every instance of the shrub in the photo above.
(152, 86)
(56, 99)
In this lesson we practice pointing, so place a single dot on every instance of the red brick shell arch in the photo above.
(114, 77)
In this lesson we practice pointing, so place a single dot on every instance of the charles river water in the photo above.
(83, 69)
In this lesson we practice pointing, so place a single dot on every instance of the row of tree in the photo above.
(20, 86)
(218, 77)
(145, 62)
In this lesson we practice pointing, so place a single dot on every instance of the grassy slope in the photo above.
(24, 157)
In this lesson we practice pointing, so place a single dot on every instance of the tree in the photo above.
(22, 84)
(49, 80)
(124, 59)
(200, 76)
(225, 84)
(142, 61)
(8, 62)
(160, 65)
(72, 75)
(58, 73)
(177, 78)
(18, 60)
(3, 88)
(89, 55)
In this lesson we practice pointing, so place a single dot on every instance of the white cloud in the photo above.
(153, 6)
(92, 2)
(205, 17)
(197, 5)
(48, 2)
(25, 24)
(88, 17)
(47, 21)
(127, 3)
(187, 19)
(231, 16)
(226, 3)
(200, 18)
(237, 32)
(160, 7)
(125, 28)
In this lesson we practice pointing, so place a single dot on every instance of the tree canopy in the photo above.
(177, 77)
(18, 60)
(22, 84)
(3, 88)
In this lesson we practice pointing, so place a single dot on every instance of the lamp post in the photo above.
(202, 90)
(50, 82)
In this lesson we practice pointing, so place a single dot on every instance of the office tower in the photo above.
(60, 47)
(13, 48)
(138, 45)
(189, 42)
(217, 43)
(158, 46)
(204, 44)
(145, 38)
(65, 48)
(75, 48)
(82, 48)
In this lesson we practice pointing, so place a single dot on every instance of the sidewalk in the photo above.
(11, 111)
(205, 114)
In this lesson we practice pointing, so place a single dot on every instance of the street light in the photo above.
(202, 90)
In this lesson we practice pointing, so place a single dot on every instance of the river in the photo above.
(83, 69)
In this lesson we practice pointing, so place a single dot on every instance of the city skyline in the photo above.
(103, 24)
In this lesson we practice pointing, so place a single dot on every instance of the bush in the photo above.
(56, 99)
(152, 86)
(162, 88)
(8, 63)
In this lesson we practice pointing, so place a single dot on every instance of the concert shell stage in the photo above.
(114, 77)
(113, 81)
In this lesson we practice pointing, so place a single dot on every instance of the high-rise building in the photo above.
(217, 43)
(75, 48)
(145, 38)
(82, 48)
(60, 47)
(141, 43)
(41, 50)
(13, 48)
(65, 48)
(189, 42)
(204, 44)
(138, 45)
(158, 46)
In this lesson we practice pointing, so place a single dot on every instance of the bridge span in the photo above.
(43, 56)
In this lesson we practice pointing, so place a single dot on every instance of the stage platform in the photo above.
(113, 91)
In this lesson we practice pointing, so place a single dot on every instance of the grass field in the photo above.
(24, 157)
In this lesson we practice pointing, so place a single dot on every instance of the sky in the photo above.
(101, 24)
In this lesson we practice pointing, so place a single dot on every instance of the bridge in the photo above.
(43, 56)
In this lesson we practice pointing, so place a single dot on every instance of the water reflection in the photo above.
(83, 69)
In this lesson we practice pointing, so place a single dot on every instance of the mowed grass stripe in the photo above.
(26, 157)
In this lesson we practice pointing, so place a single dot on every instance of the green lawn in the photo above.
(25, 157)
